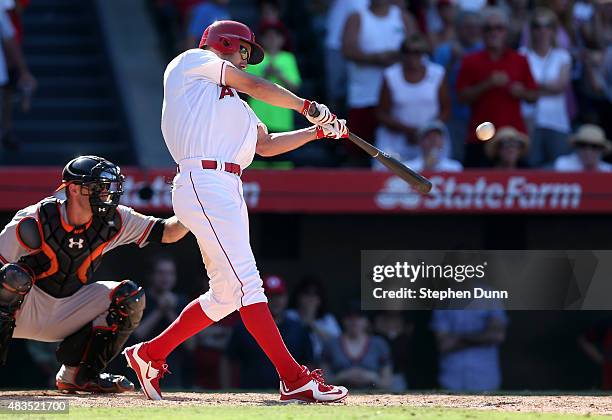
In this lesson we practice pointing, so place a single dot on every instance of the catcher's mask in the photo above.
(103, 181)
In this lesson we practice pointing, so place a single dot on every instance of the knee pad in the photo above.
(127, 306)
(15, 282)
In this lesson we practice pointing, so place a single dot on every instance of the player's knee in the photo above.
(15, 282)
(127, 306)
(253, 293)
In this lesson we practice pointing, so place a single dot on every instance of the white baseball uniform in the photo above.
(204, 120)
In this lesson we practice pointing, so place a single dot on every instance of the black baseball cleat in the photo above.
(105, 383)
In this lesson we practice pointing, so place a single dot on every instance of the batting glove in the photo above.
(335, 130)
(323, 117)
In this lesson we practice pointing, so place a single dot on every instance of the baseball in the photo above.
(485, 131)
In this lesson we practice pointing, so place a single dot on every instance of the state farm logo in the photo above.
(158, 193)
(447, 193)
(397, 193)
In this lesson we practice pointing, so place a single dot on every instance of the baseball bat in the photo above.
(416, 180)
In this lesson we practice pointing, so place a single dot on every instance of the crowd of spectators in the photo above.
(540, 70)
(364, 350)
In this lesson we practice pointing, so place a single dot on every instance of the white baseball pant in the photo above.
(211, 205)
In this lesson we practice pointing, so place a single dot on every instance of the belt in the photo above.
(232, 168)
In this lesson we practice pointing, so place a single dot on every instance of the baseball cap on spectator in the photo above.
(591, 135)
(506, 134)
(274, 285)
(433, 125)
(275, 24)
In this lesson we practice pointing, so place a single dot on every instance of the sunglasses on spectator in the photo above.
(244, 53)
(491, 28)
(584, 145)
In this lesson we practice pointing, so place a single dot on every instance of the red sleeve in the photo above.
(466, 75)
(529, 82)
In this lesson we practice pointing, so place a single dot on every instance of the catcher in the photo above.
(50, 251)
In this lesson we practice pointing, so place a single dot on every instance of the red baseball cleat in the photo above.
(311, 387)
(148, 371)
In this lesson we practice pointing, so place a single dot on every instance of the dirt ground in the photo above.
(519, 403)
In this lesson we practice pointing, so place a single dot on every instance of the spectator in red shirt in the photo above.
(493, 82)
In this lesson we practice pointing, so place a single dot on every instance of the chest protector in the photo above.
(69, 255)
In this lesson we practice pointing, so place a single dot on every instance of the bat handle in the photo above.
(313, 111)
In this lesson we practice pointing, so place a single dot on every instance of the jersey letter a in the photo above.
(225, 91)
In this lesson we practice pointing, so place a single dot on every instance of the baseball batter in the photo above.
(50, 251)
(213, 135)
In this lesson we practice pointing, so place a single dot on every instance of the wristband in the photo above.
(305, 107)
(319, 131)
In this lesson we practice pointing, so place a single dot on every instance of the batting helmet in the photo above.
(225, 37)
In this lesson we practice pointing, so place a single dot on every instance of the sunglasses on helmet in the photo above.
(244, 53)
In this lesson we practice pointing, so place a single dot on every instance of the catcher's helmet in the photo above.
(103, 179)
(225, 36)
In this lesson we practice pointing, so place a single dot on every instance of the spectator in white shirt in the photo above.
(590, 145)
(432, 139)
(507, 149)
(371, 42)
(335, 63)
(414, 92)
(550, 67)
